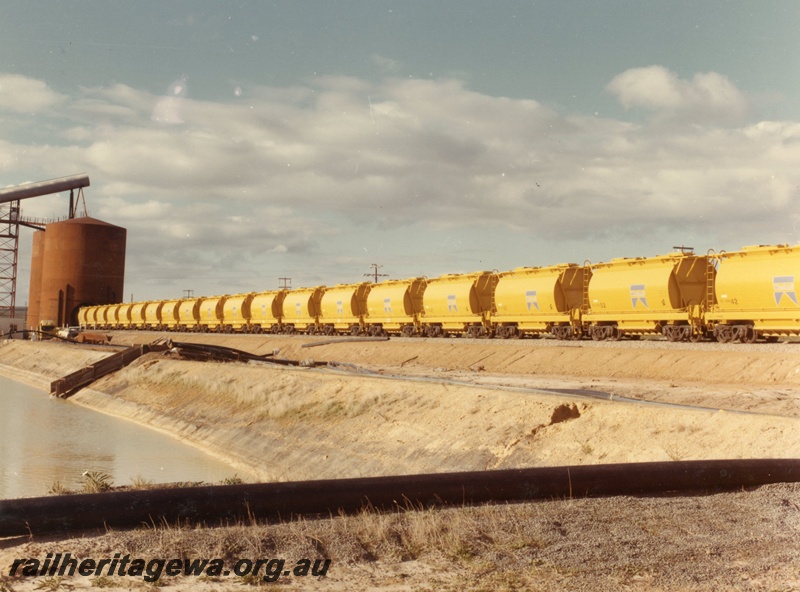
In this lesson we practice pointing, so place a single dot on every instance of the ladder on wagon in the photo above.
(711, 269)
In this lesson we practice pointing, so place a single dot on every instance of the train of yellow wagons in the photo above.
(738, 296)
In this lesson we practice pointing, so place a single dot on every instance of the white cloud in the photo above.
(707, 95)
(21, 94)
(386, 64)
(324, 178)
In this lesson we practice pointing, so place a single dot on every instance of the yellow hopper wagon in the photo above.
(211, 314)
(189, 314)
(756, 294)
(152, 314)
(169, 320)
(92, 317)
(540, 300)
(236, 313)
(266, 312)
(654, 295)
(301, 309)
(395, 306)
(343, 308)
(138, 310)
(123, 316)
(459, 304)
(102, 317)
(85, 315)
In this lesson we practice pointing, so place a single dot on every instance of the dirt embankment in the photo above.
(304, 423)
(294, 423)
(707, 364)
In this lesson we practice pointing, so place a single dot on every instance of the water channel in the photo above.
(44, 440)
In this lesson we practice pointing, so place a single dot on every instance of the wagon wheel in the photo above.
(750, 335)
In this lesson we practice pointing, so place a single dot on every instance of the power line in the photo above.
(287, 283)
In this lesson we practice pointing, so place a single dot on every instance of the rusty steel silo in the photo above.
(83, 264)
(37, 257)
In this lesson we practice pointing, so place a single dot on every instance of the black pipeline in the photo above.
(282, 501)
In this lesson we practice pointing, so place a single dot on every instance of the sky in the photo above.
(243, 142)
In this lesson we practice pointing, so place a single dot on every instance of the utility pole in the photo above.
(287, 283)
(375, 274)
(188, 293)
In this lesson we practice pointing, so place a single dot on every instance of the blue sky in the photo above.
(240, 142)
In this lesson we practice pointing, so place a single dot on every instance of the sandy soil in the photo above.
(283, 423)
(467, 405)
(757, 377)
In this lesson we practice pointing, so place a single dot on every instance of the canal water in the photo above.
(44, 440)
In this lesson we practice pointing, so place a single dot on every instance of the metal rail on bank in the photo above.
(229, 504)
(73, 382)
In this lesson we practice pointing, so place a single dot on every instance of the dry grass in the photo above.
(735, 541)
